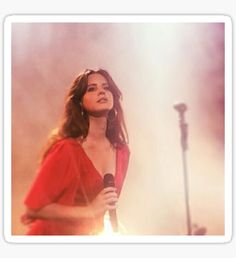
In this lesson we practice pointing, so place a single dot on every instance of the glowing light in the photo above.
(108, 230)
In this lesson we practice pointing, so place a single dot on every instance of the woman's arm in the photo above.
(105, 200)
(56, 211)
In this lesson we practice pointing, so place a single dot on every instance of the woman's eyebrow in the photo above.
(95, 84)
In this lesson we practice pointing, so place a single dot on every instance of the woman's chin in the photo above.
(99, 113)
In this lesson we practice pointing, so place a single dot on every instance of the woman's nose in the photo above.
(101, 91)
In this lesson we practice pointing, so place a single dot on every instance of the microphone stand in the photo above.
(181, 108)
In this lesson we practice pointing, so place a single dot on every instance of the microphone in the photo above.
(180, 107)
(108, 181)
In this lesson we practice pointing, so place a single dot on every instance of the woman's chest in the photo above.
(103, 160)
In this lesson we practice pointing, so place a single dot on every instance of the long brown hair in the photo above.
(75, 120)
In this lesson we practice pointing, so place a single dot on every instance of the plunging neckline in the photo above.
(101, 175)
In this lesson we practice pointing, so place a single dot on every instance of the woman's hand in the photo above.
(105, 200)
(26, 219)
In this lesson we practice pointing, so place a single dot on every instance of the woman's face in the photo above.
(98, 98)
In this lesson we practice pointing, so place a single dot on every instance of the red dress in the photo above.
(68, 177)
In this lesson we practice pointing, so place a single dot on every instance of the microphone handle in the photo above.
(113, 219)
(109, 181)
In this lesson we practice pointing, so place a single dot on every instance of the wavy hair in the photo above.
(75, 119)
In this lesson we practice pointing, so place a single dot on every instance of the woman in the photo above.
(67, 196)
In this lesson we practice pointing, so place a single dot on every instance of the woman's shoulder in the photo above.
(65, 144)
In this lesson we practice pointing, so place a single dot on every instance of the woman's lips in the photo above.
(102, 100)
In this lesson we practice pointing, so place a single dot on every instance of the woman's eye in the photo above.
(90, 88)
(106, 88)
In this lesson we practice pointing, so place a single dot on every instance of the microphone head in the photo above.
(108, 180)
(180, 107)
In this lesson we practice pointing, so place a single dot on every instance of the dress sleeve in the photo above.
(54, 175)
